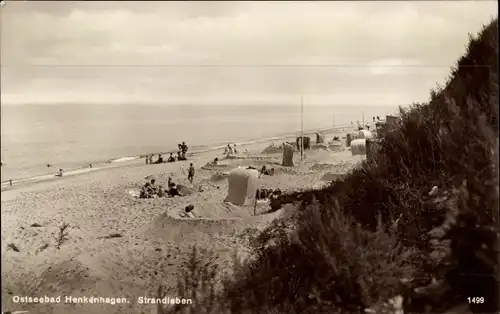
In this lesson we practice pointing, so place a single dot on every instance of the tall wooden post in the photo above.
(301, 128)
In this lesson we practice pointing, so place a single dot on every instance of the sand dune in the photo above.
(121, 246)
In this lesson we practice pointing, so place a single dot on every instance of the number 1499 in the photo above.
(475, 300)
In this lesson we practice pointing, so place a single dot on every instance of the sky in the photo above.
(353, 52)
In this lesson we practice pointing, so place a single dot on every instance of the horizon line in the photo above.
(181, 104)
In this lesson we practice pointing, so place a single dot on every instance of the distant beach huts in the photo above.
(391, 121)
(383, 127)
(351, 137)
(365, 134)
(361, 134)
(307, 142)
(358, 147)
(287, 155)
(320, 138)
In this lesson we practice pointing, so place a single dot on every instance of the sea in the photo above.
(72, 136)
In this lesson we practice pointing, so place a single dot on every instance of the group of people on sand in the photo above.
(151, 190)
(181, 155)
(263, 170)
(230, 150)
(267, 194)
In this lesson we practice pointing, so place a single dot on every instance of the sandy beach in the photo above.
(124, 247)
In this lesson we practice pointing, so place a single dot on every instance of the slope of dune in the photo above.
(378, 232)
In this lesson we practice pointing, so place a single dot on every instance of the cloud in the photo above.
(200, 51)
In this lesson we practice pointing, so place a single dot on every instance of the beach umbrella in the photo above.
(150, 177)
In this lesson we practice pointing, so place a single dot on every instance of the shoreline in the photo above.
(126, 161)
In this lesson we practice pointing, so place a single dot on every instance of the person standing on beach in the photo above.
(10, 182)
(191, 173)
(147, 160)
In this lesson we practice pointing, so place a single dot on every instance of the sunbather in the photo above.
(171, 158)
(267, 172)
(60, 174)
(187, 212)
(161, 191)
(153, 187)
(173, 191)
(146, 191)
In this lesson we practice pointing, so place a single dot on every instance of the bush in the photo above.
(347, 252)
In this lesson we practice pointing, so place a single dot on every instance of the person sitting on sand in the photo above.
(153, 188)
(181, 156)
(216, 161)
(275, 194)
(49, 165)
(171, 158)
(160, 159)
(187, 212)
(267, 172)
(145, 191)
(173, 190)
(170, 182)
(191, 173)
(60, 174)
(161, 191)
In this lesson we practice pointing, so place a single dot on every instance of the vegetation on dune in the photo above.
(378, 232)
